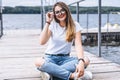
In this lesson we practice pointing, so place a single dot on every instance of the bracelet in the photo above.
(81, 59)
(48, 22)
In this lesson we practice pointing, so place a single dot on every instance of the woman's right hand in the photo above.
(49, 16)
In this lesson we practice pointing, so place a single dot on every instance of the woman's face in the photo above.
(60, 13)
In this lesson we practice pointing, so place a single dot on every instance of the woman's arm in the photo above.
(78, 45)
(80, 54)
(45, 34)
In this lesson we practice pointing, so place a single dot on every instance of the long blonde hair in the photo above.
(70, 25)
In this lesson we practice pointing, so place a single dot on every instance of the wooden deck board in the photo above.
(20, 48)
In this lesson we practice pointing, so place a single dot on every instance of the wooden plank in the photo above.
(107, 76)
(101, 68)
(30, 78)
(24, 73)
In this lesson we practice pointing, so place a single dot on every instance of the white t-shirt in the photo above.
(57, 43)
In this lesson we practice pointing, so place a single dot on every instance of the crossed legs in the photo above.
(41, 61)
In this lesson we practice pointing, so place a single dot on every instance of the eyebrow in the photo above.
(59, 10)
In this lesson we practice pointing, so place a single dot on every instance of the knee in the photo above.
(87, 60)
(39, 62)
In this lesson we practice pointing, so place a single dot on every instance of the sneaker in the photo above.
(87, 76)
(44, 76)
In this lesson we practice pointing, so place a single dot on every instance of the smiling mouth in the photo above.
(61, 15)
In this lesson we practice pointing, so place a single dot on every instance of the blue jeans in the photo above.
(60, 67)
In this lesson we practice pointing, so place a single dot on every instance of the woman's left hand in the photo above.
(80, 69)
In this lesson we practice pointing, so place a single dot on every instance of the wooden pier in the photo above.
(20, 48)
(109, 37)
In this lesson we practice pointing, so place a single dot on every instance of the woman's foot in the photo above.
(87, 76)
(44, 76)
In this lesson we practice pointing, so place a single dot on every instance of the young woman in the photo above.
(61, 31)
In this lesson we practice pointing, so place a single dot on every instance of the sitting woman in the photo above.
(61, 31)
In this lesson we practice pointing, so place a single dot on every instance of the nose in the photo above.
(60, 13)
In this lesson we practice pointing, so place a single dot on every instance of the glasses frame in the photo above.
(62, 11)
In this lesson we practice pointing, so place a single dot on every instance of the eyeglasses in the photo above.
(62, 11)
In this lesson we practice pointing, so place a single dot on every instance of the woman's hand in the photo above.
(80, 69)
(49, 16)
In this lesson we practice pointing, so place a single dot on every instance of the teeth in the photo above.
(61, 16)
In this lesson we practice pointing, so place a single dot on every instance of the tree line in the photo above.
(37, 9)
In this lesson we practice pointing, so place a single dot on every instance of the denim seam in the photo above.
(69, 76)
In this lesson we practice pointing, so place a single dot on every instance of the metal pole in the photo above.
(107, 30)
(49, 5)
(1, 23)
(87, 23)
(77, 11)
(99, 29)
(42, 16)
(107, 22)
(76, 2)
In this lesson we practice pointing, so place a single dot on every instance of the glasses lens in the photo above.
(62, 11)
(57, 12)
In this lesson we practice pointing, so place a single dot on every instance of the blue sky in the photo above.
(37, 2)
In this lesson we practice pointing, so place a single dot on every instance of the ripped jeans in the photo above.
(60, 67)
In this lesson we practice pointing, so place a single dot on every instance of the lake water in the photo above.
(111, 53)
(33, 21)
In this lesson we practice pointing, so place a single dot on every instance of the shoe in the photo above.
(44, 76)
(87, 76)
